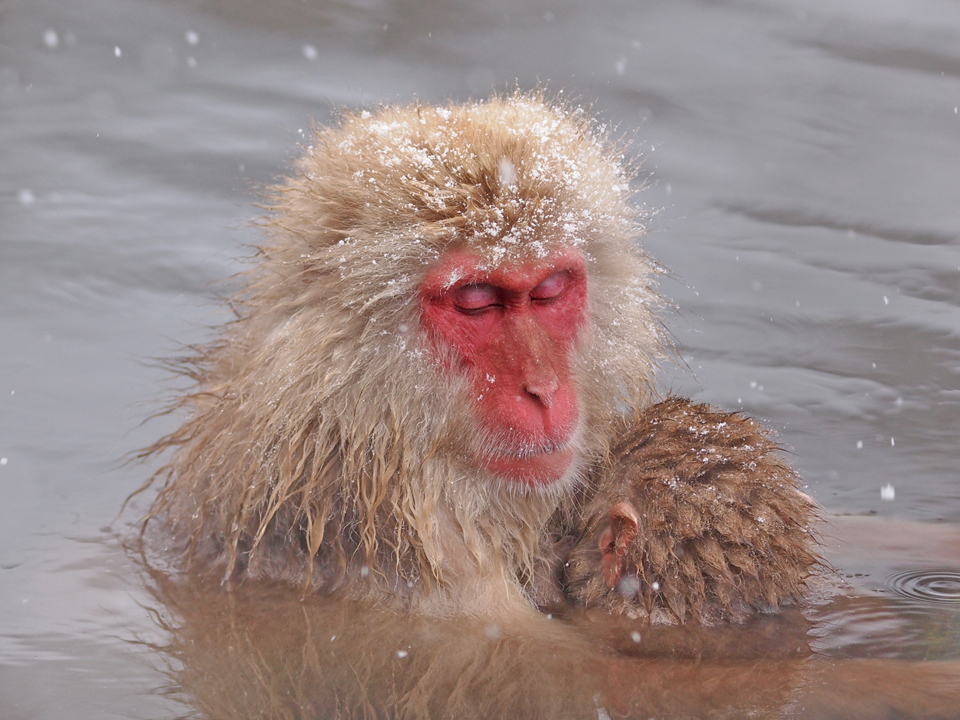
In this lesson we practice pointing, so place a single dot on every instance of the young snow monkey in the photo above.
(438, 394)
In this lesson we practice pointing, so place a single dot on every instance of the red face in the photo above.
(512, 329)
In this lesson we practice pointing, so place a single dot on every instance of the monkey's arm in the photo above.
(695, 518)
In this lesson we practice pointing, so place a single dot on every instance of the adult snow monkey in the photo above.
(438, 391)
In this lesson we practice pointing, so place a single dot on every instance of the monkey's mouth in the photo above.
(532, 466)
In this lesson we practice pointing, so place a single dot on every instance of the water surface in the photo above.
(804, 177)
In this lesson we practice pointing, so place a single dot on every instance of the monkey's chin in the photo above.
(534, 470)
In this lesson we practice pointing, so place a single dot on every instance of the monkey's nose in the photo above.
(543, 389)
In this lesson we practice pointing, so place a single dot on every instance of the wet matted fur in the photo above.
(724, 529)
(324, 446)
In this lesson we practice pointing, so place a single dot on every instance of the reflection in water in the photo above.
(267, 652)
(880, 627)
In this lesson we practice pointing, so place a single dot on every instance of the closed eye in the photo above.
(477, 297)
(551, 288)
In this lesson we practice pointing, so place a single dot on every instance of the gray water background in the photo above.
(804, 160)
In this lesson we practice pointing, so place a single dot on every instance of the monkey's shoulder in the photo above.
(696, 516)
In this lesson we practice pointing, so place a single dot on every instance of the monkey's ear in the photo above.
(616, 539)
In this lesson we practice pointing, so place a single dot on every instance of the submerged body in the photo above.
(438, 394)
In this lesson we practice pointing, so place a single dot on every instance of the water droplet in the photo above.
(492, 631)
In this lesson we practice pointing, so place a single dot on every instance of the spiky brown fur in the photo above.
(323, 445)
(724, 530)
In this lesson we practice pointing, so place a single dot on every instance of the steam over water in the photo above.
(803, 163)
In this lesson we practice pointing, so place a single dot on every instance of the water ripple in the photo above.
(936, 586)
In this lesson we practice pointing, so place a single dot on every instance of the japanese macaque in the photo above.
(438, 392)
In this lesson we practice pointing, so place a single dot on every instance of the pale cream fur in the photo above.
(323, 444)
